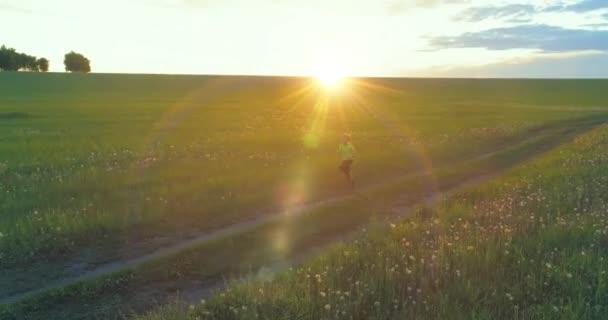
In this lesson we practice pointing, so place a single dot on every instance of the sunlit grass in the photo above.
(92, 158)
(530, 245)
(107, 162)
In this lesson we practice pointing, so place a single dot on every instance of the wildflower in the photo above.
(328, 307)
(393, 225)
(323, 294)
(548, 265)
(377, 303)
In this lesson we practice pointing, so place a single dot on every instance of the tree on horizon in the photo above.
(43, 64)
(76, 62)
(11, 60)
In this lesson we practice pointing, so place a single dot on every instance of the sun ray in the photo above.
(306, 89)
(374, 86)
(422, 161)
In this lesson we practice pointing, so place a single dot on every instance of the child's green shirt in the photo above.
(346, 151)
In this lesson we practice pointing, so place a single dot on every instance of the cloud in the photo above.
(517, 12)
(597, 25)
(193, 4)
(399, 6)
(570, 65)
(199, 3)
(9, 7)
(543, 37)
(524, 12)
(587, 5)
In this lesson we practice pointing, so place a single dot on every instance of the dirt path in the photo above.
(196, 292)
(563, 133)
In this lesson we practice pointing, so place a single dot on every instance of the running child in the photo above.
(347, 153)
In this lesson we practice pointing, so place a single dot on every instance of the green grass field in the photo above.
(97, 169)
(529, 245)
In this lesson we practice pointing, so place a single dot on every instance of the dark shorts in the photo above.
(346, 166)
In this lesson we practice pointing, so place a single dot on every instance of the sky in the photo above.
(434, 38)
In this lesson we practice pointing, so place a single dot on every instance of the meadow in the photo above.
(532, 244)
(100, 168)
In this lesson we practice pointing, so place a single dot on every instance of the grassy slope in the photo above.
(98, 161)
(530, 245)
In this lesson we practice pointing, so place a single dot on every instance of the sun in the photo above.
(329, 79)
(329, 67)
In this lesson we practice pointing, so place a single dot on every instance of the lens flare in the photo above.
(330, 66)
(330, 80)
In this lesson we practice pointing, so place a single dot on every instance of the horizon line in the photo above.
(309, 76)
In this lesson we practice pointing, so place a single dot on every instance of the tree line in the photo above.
(11, 60)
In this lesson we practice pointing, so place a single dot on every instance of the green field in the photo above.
(101, 169)
(530, 245)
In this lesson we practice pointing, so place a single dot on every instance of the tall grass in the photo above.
(530, 245)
